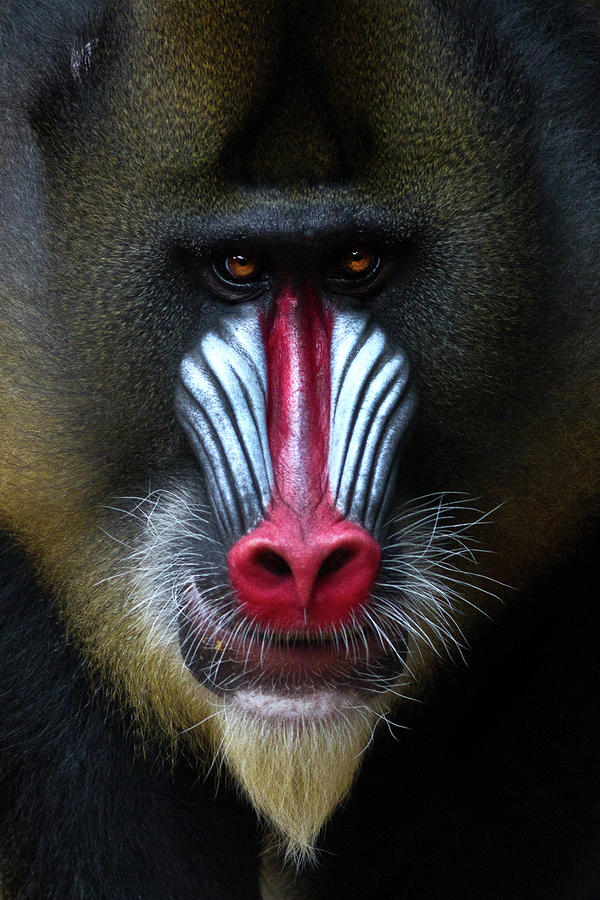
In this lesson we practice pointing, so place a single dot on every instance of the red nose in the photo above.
(292, 573)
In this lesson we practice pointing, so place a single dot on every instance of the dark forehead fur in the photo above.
(502, 51)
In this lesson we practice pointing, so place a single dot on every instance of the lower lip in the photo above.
(222, 660)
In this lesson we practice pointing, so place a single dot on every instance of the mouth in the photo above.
(240, 655)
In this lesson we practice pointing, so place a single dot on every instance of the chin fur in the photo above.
(296, 758)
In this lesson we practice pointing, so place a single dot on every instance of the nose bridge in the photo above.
(297, 338)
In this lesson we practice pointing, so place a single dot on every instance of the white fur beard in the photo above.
(296, 757)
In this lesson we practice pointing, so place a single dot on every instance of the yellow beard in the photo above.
(297, 766)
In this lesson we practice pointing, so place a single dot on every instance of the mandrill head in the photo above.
(248, 272)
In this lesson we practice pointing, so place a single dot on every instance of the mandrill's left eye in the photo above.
(355, 268)
(358, 262)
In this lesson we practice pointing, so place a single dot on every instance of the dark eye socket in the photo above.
(239, 274)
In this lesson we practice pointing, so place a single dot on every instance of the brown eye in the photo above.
(242, 266)
(358, 261)
(238, 276)
(355, 271)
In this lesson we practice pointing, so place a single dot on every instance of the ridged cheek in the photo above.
(371, 408)
(221, 403)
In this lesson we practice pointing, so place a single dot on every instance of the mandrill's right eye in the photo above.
(242, 267)
(238, 275)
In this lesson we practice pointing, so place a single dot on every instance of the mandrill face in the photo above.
(296, 407)
(285, 320)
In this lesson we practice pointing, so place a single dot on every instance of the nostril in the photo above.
(307, 574)
(273, 563)
(335, 561)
